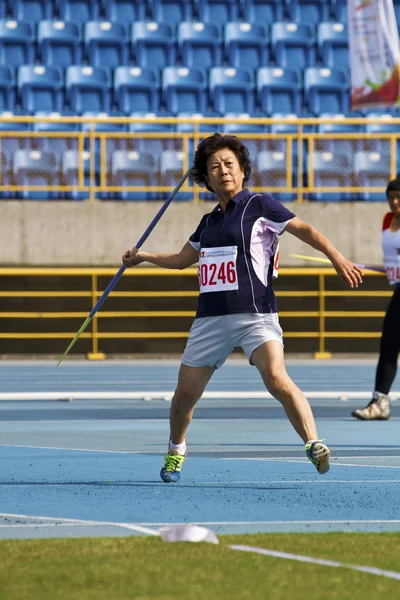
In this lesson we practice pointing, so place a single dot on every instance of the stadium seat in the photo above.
(35, 168)
(333, 46)
(125, 11)
(339, 10)
(271, 171)
(232, 89)
(263, 11)
(279, 90)
(106, 44)
(134, 168)
(171, 11)
(199, 126)
(41, 88)
(199, 44)
(88, 88)
(217, 11)
(60, 43)
(312, 11)
(246, 45)
(293, 44)
(16, 43)
(349, 144)
(154, 144)
(330, 169)
(372, 169)
(71, 163)
(3, 9)
(326, 90)
(153, 44)
(56, 145)
(184, 90)
(10, 144)
(137, 89)
(31, 10)
(78, 10)
(7, 87)
(253, 144)
(172, 169)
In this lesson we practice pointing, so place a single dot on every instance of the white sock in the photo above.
(179, 448)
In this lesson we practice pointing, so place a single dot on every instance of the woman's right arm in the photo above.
(181, 260)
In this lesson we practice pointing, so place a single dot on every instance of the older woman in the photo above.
(236, 246)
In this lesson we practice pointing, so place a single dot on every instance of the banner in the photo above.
(374, 54)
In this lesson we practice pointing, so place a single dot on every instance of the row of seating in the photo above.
(176, 89)
(134, 168)
(191, 43)
(175, 11)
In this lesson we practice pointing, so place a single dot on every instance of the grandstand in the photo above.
(259, 66)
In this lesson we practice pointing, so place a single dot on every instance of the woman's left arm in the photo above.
(347, 271)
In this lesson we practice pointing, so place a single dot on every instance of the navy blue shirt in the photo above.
(252, 223)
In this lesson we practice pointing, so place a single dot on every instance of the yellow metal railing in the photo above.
(94, 176)
(319, 315)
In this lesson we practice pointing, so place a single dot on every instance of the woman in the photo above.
(236, 246)
(379, 407)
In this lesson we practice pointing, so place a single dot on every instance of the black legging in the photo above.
(390, 346)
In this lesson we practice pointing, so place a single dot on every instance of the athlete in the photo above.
(379, 406)
(236, 246)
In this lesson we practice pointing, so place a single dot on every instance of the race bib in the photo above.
(217, 269)
(392, 271)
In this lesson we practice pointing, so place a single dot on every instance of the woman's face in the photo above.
(224, 174)
(394, 201)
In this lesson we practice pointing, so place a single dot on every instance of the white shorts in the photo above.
(212, 339)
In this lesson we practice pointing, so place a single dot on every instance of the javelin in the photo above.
(133, 251)
(326, 260)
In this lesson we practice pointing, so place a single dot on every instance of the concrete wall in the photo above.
(83, 234)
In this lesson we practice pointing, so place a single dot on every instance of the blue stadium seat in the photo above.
(263, 11)
(349, 144)
(134, 168)
(333, 48)
(71, 163)
(35, 168)
(184, 89)
(137, 89)
(31, 10)
(79, 10)
(203, 127)
(155, 144)
(217, 11)
(88, 88)
(199, 44)
(7, 88)
(171, 11)
(41, 88)
(3, 9)
(232, 89)
(312, 11)
(153, 44)
(254, 144)
(172, 169)
(6, 177)
(279, 90)
(293, 44)
(271, 172)
(246, 44)
(125, 11)
(339, 10)
(106, 44)
(384, 125)
(372, 169)
(10, 144)
(331, 169)
(16, 43)
(56, 145)
(60, 43)
(326, 90)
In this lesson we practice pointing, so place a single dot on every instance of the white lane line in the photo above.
(318, 561)
(132, 526)
(321, 522)
(202, 483)
(81, 449)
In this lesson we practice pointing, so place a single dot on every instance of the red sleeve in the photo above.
(387, 220)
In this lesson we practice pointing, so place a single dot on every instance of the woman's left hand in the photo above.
(348, 272)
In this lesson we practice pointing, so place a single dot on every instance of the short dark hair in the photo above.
(393, 186)
(210, 145)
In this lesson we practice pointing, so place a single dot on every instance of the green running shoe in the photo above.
(171, 471)
(319, 455)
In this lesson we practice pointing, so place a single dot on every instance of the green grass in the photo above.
(146, 568)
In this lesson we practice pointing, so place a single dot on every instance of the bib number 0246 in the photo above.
(212, 274)
(217, 269)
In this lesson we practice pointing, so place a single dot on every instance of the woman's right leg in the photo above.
(390, 346)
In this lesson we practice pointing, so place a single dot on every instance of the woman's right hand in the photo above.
(132, 261)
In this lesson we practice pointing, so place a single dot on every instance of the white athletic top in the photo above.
(391, 249)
